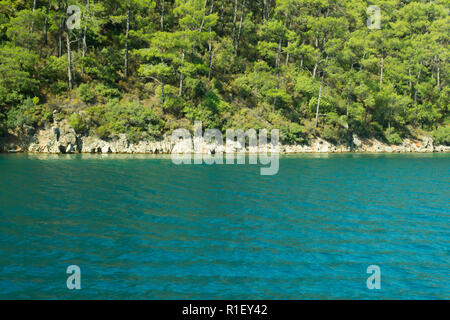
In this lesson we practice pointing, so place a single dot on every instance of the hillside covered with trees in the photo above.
(307, 67)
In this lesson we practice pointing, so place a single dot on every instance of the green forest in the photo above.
(310, 68)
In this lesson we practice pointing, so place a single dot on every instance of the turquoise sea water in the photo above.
(140, 227)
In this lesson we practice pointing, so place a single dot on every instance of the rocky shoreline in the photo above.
(64, 140)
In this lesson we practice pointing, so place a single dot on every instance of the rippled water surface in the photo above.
(140, 227)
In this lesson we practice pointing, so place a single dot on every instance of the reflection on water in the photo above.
(141, 227)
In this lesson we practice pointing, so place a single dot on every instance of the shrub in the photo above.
(394, 139)
(20, 115)
(173, 105)
(246, 119)
(102, 132)
(195, 87)
(98, 93)
(85, 93)
(96, 114)
(54, 74)
(329, 134)
(442, 136)
(77, 122)
(209, 111)
(59, 87)
(367, 130)
(17, 69)
(297, 133)
(28, 113)
(334, 134)
(133, 119)
(42, 114)
(105, 93)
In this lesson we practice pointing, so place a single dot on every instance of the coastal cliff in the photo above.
(63, 139)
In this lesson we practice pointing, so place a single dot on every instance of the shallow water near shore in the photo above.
(141, 227)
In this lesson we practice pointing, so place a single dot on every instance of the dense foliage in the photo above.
(307, 67)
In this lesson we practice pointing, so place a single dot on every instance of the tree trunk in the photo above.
(84, 49)
(69, 57)
(126, 43)
(240, 28)
(211, 9)
(348, 94)
(287, 54)
(222, 19)
(316, 65)
(278, 63)
(210, 60)
(315, 70)
(203, 17)
(180, 93)
(84, 45)
(280, 44)
(32, 22)
(210, 45)
(266, 10)
(417, 84)
(278, 87)
(60, 39)
(439, 77)
(390, 116)
(348, 102)
(234, 22)
(409, 80)
(47, 10)
(163, 12)
(60, 31)
(318, 103)
(381, 70)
